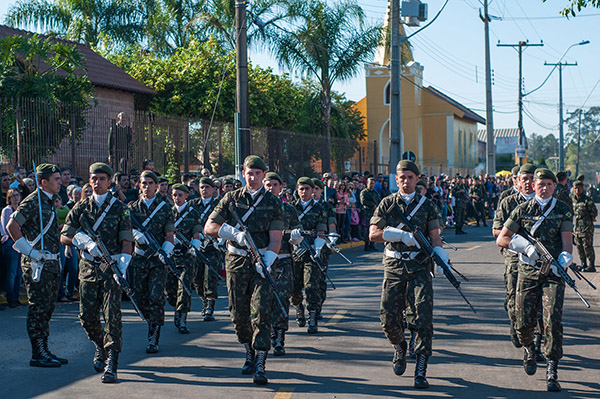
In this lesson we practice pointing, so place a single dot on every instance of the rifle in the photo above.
(156, 247)
(333, 247)
(304, 246)
(548, 261)
(577, 270)
(428, 249)
(256, 256)
(107, 259)
(36, 266)
(188, 245)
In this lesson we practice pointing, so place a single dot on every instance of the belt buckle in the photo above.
(404, 256)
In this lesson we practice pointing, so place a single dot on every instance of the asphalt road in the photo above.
(348, 358)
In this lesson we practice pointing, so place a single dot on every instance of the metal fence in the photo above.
(70, 136)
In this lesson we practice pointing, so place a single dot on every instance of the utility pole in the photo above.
(519, 46)
(242, 117)
(395, 86)
(561, 133)
(578, 143)
(489, 112)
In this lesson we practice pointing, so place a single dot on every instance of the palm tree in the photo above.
(90, 22)
(329, 43)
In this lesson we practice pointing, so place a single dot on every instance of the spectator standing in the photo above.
(11, 257)
(341, 206)
(4, 186)
(65, 178)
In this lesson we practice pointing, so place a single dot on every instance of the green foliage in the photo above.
(540, 148)
(577, 5)
(589, 153)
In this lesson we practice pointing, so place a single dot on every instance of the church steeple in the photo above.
(382, 55)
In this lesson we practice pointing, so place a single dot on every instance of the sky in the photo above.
(451, 50)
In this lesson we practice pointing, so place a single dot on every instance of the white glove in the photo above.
(269, 258)
(36, 270)
(197, 244)
(85, 243)
(176, 240)
(23, 247)
(333, 239)
(319, 244)
(295, 237)
(122, 263)
(521, 245)
(167, 247)
(393, 234)
(564, 260)
(229, 232)
(139, 237)
(442, 253)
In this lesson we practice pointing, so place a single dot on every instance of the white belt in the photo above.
(139, 251)
(283, 256)
(242, 252)
(48, 256)
(525, 259)
(88, 257)
(409, 255)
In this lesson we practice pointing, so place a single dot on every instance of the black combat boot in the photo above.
(319, 315)
(300, 317)
(552, 376)
(248, 367)
(52, 355)
(153, 337)
(421, 372)
(183, 328)
(529, 363)
(204, 305)
(176, 318)
(514, 338)
(209, 313)
(112, 363)
(312, 322)
(40, 356)
(399, 362)
(99, 357)
(590, 269)
(537, 343)
(279, 342)
(260, 375)
(411, 344)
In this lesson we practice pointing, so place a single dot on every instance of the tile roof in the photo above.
(482, 133)
(468, 114)
(100, 71)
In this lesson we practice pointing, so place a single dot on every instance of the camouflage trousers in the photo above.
(459, 217)
(282, 273)
(41, 297)
(585, 248)
(101, 297)
(511, 274)
(414, 291)
(206, 281)
(176, 294)
(250, 302)
(148, 283)
(325, 255)
(307, 275)
(532, 294)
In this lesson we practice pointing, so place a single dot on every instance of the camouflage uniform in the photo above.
(460, 204)
(99, 292)
(369, 200)
(562, 193)
(148, 272)
(326, 252)
(250, 295)
(506, 193)
(307, 275)
(585, 212)
(187, 223)
(407, 281)
(41, 295)
(205, 280)
(533, 287)
(477, 195)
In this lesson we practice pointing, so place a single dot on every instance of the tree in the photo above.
(329, 43)
(540, 148)
(589, 135)
(569, 10)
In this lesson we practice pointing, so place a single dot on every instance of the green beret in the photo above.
(227, 181)
(47, 169)
(306, 180)
(318, 183)
(543, 173)
(207, 180)
(273, 176)
(578, 183)
(100, 167)
(581, 177)
(150, 174)
(181, 187)
(515, 170)
(255, 162)
(163, 179)
(420, 182)
(407, 165)
(527, 168)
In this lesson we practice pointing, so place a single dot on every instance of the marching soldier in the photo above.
(39, 260)
(585, 213)
(369, 198)
(459, 192)
(188, 225)
(514, 189)
(250, 295)
(283, 268)
(551, 221)
(307, 274)
(205, 280)
(562, 191)
(99, 292)
(407, 278)
(148, 267)
(477, 195)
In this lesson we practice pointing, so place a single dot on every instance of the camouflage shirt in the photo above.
(562, 193)
(267, 216)
(461, 198)
(330, 209)
(477, 192)
(313, 217)
(290, 221)
(161, 223)
(204, 210)
(369, 200)
(27, 216)
(187, 223)
(508, 192)
(584, 211)
(117, 220)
